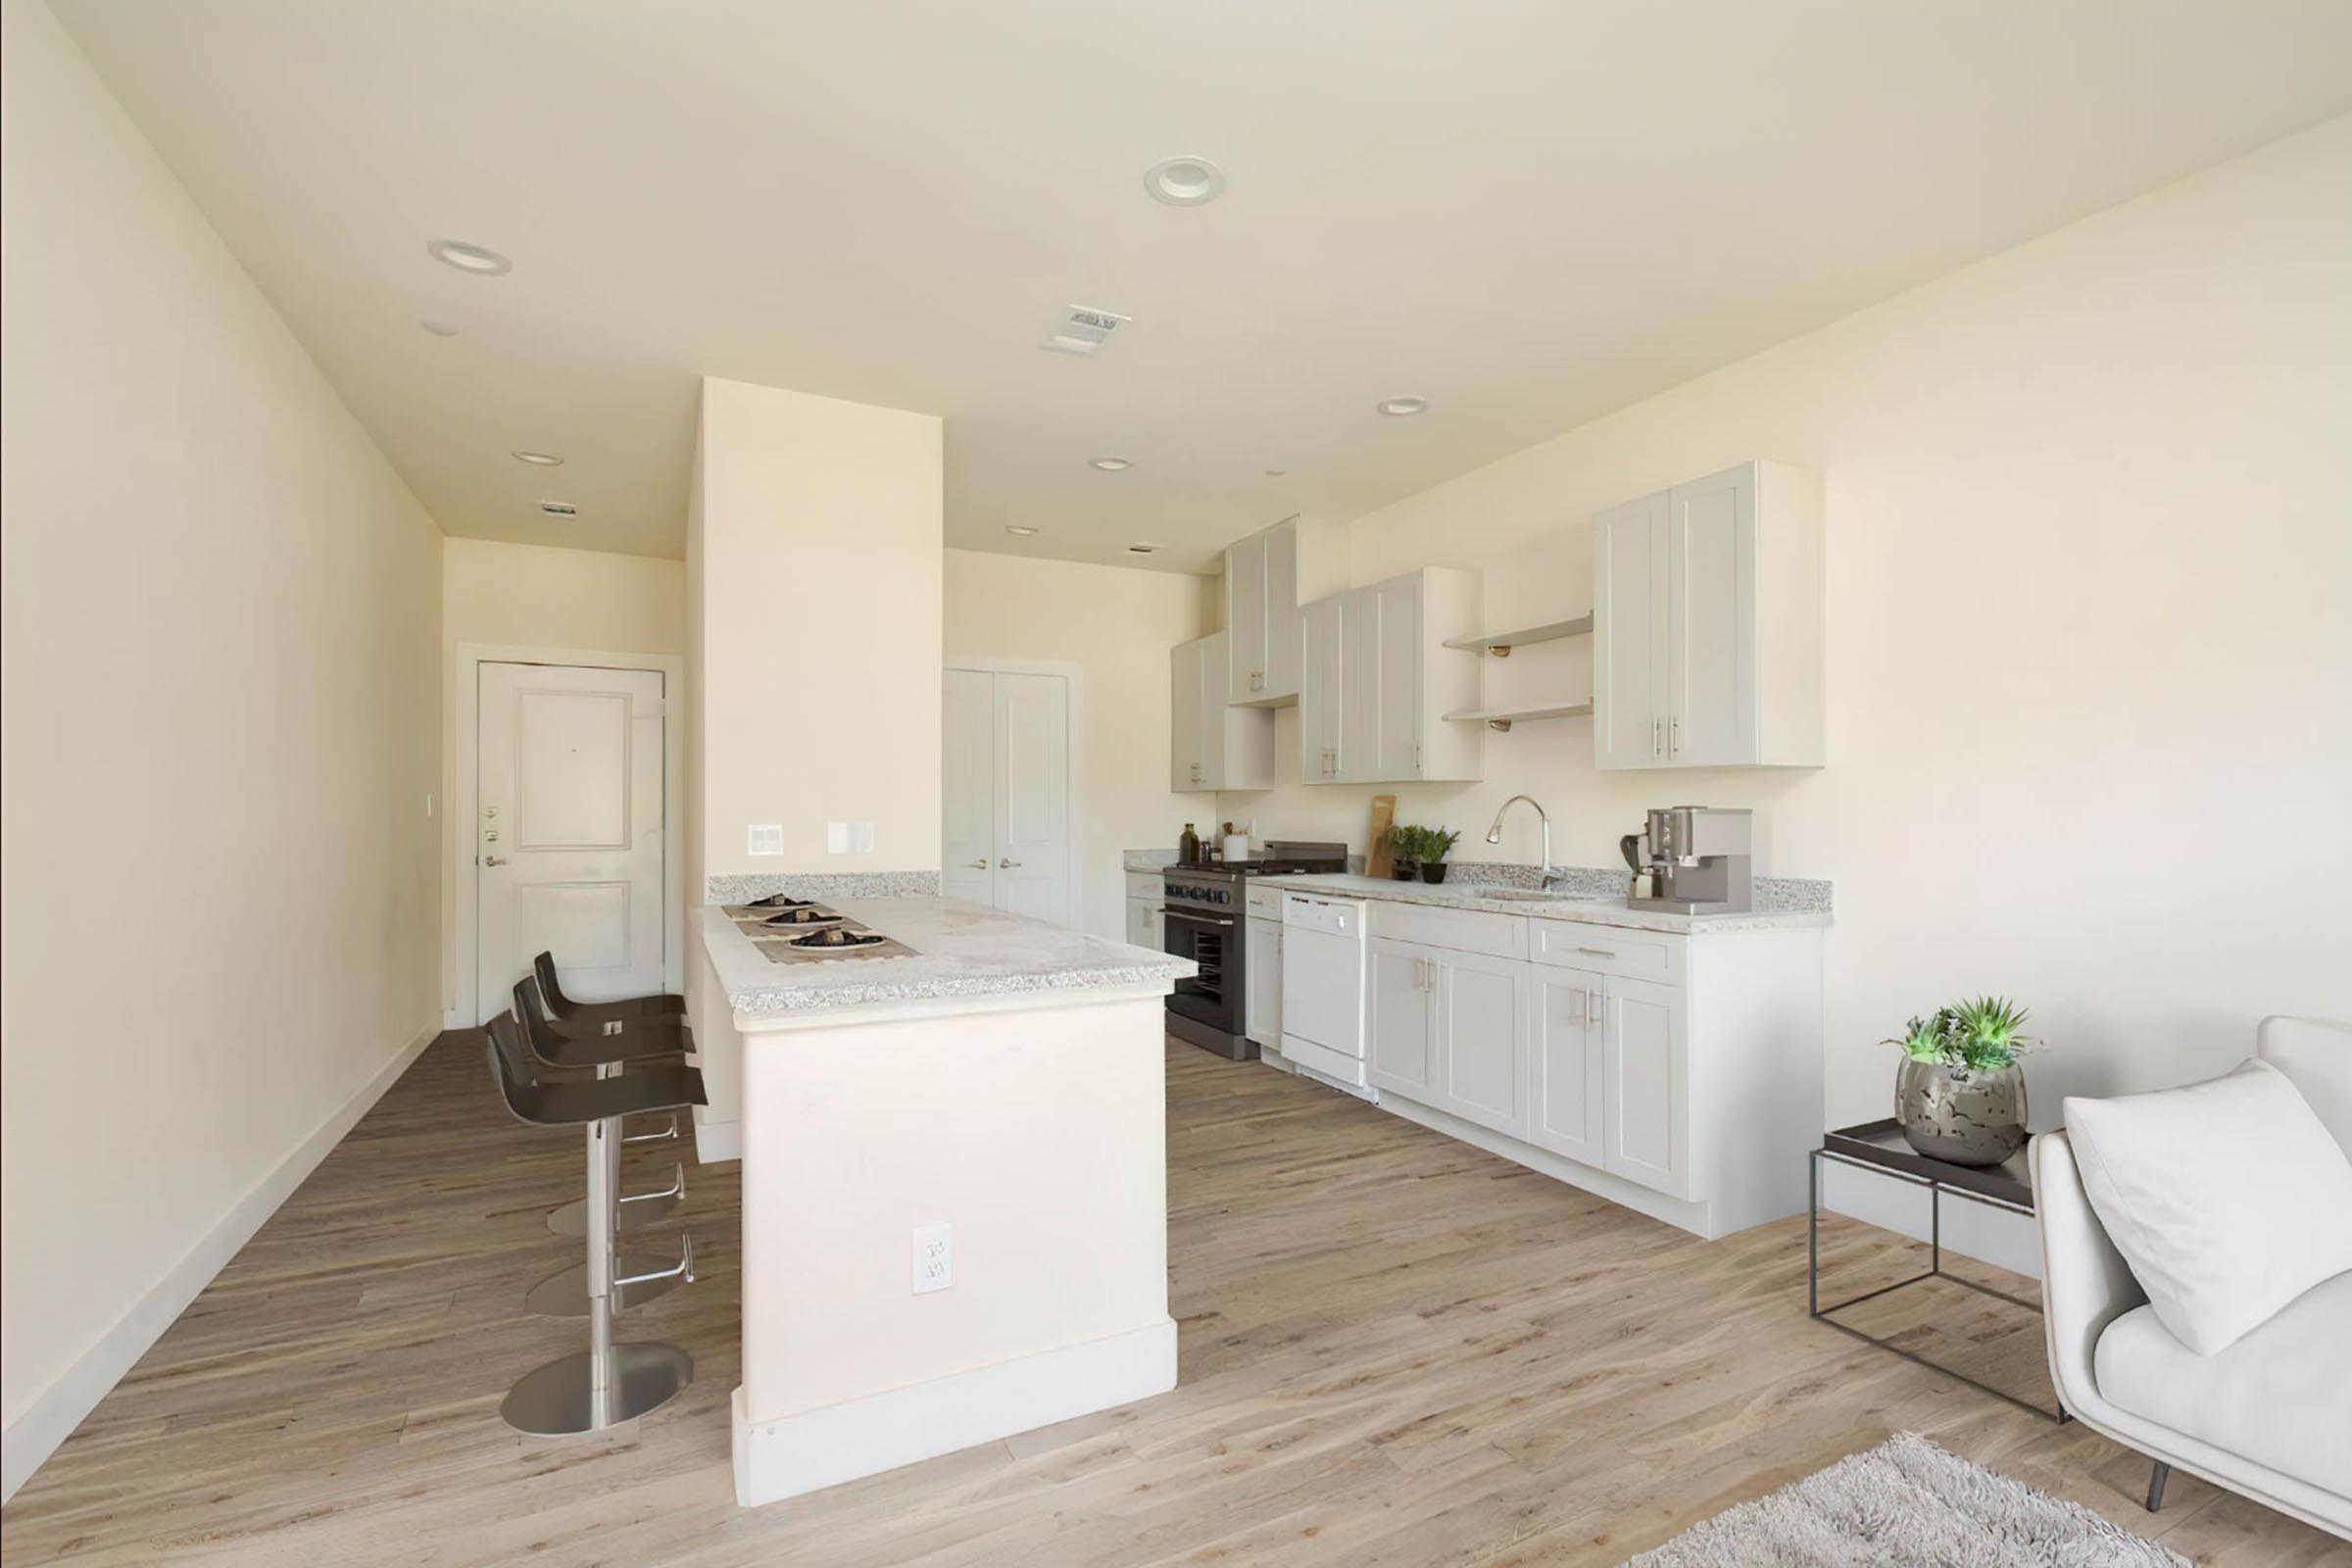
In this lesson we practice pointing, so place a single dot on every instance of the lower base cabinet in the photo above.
(1142, 923)
(1261, 1000)
(1401, 1018)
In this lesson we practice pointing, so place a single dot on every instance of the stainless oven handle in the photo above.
(1197, 919)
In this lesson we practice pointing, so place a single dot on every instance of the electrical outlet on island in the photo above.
(934, 1258)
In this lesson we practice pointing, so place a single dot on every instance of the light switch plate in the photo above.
(837, 838)
(767, 838)
(934, 1260)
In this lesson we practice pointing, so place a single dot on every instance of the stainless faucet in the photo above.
(1495, 834)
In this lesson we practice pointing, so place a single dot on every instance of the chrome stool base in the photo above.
(571, 1219)
(557, 1400)
(566, 1294)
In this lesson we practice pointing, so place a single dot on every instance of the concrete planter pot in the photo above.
(1960, 1116)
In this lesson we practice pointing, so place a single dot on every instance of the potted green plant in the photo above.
(1960, 1093)
(1436, 844)
(1420, 851)
(1403, 852)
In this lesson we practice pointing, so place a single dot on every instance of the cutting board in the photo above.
(1384, 817)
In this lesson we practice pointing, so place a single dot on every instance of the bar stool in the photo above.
(607, 1382)
(560, 1007)
(564, 1293)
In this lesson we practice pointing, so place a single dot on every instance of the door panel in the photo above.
(1262, 1020)
(1397, 750)
(1319, 692)
(1481, 1008)
(1246, 618)
(1400, 1020)
(1184, 717)
(1216, 656)
(1281, 610)
(1628, 629)
(1566, 1058)
(1710, 629)
(1648, 1089)
(1032, 781)
(568, 844)
(967, 831)
(1359, 686)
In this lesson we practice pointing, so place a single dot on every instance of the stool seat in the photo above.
(558, 1045)
(563, 1010)
(552, 1099)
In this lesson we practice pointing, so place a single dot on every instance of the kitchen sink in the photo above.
(1532, 895)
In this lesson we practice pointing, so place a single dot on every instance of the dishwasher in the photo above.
(1323, 988)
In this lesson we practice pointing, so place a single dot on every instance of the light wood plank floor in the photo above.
(1396, 1351)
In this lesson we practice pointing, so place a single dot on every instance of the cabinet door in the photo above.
(1481, 1033)
(1183, 717)
(1140, 929)
(1282, 609)
(1710, 621)
(1215, 658)
(1319, 692)
(1262, 1000)
(1246, 618)
(1565, 1098)
(1647, 1064)
(1400, 1020)
(1629, 634)
(1397, 750)
(1358, 760)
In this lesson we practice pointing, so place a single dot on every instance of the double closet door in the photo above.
(1005, 834)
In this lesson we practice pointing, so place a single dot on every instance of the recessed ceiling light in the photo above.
(468, 258)
(1141, 550)
(1184, 181)
(1399, 408)
(1111, 464)
(559, 509)
(1022, 530)
(440, 328)
(545, 460)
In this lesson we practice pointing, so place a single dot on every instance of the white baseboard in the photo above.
(715, 1141)
(824, 1448)
(51, 1415)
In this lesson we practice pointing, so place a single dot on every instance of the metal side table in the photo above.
(1880, 1148)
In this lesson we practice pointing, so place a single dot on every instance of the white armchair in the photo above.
(2268, 1417)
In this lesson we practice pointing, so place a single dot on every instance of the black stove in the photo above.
(1204, 918)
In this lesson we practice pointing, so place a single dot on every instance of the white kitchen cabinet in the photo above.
(1377, 681)
(1142, 923)
(1646, 1065)
(1567, 1097)
(1401, 1018)
(1246, 618)
(1264, 575)
(1213, 745)
(1483, 1039)
(1261, 1001)
(1707, 623)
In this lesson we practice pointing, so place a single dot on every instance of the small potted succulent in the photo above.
(1421, 850)
(1960, 1094)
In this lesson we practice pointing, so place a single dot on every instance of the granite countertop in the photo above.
(1586, 909)
(961, 951)
(1146, 860)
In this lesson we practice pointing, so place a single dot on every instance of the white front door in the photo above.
(569, 830)
(1005, 792)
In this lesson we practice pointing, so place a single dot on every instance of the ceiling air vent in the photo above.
(559, 509)
(1082, 330)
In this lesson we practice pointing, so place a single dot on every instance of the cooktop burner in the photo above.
(839, 937)
(780, 900)
(807, 914)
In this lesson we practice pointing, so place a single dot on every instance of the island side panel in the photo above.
(1039, 1136)
(719, 1054)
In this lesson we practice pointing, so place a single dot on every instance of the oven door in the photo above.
(1214, 996)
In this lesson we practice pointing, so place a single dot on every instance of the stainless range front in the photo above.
(1204, 917)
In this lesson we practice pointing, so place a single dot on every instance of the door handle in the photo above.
(494, 859)
(980, 864)
(1593, 1007)
(1007, 865)
(1657, 738)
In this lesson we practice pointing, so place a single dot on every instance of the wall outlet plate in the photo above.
(934, 1261)
(837, 838)
(767, 838)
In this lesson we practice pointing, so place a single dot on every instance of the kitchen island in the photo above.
(954, 1188)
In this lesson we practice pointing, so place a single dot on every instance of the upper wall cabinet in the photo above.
(1707, 623)
(1377, 679)
(1263, 577)
(1212, 746)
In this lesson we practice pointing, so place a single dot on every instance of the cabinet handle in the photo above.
(1599, 952)
(979, 865)
(1657, 738)
(1674, 737)
(1008, 865)
(1593, 1007)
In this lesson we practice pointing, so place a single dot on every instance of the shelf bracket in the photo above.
(1503, 724)
(1500, 650)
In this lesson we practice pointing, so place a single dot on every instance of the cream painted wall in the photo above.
(2089, 631)
(1116, 625)
(532, 596)
(222, 611)
(815, 549)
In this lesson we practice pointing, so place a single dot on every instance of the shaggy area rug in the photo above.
(1907, 1503)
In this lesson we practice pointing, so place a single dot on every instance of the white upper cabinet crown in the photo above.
(1707, 623)
(1212, 746)
(1377, 681)
(1263, 577)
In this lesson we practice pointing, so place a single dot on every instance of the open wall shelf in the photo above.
(1500, 642)
(1502, 718)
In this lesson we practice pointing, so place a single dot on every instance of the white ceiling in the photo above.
(1529, 212)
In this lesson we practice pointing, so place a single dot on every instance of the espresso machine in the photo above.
(1697, 858)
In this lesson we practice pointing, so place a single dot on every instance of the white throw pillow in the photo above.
(2227, 1198)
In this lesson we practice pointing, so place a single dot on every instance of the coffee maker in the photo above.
(1697, 858)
